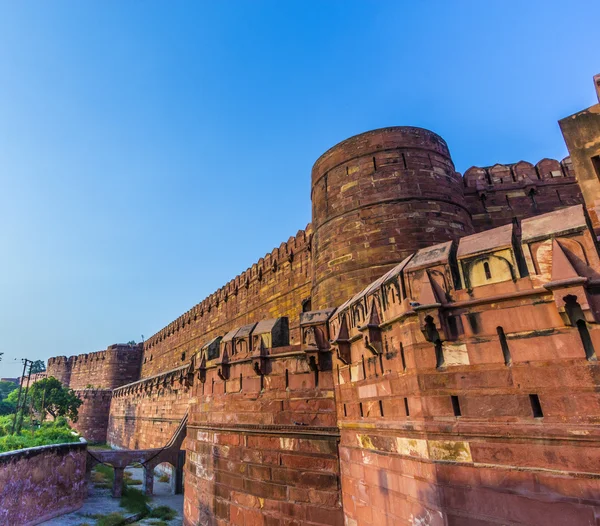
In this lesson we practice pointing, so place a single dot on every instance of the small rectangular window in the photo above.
(456, 406)
(536, 406)
(596, 164)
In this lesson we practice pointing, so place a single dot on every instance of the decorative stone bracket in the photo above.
(371, 330)
(260, 358)
(315, 338)
(223, 366)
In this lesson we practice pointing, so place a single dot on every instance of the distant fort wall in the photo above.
(117, 365)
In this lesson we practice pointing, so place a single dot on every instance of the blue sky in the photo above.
(150, 151)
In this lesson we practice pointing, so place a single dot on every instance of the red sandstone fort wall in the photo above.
(475, 401)
(93, 376)
(92, 421)
(146, 413)
(275, 286)
(262, 444)
(462, 380)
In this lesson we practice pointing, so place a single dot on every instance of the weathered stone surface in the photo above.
(39, 483)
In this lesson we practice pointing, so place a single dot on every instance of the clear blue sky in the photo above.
(151, 151)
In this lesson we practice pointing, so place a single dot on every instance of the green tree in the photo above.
(13, 396)
(38, 367)
(50, 396)
(6, 388)
(6, 408)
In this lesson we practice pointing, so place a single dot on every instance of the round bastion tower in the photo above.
(377, 197)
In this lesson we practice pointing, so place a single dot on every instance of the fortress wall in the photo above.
(262, 448)
(275, 286)
(475, 401)
(92, 420)
(497, 194)
(60, 368)
(117, 365)
(146, 413)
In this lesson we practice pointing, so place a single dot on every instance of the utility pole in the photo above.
(19, 408)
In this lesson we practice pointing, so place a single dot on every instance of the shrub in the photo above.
(163, 512)
(134, 500)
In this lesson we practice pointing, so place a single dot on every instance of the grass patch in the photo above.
(102, 476)
(113, 519)
(159, 523)
(102, 445)
(164, 478)
(163, 512)
(34, 434)
(134, 500)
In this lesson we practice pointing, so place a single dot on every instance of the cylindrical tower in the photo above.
(376, 198)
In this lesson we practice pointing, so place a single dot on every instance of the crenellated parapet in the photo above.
(498, 194)
(283, 276)
(117, 365)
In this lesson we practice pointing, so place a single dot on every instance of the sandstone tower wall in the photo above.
(376, 198)
(93, 376)
(117, 365)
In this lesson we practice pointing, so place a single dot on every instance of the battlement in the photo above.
(118, 364)
(522, 172)
(496, 195)
(277, 284)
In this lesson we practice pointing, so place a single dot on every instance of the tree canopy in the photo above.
(6, 388)
(38, 367)
(49, 395)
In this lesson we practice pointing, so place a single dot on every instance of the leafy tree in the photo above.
(6, 388)
(38, 367)
(131, 342)
(13, 396)
(49, 395)
(6, 408)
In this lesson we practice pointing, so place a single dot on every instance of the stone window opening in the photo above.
(531, 195)
(381, 407)
(486, 270)
(402, 357)
(577, 318)
(504, 346)
(456, 406)
(360, 406)
(434, 336)
(306, 305)
(406, 409)
(596, 165)
(536, 406)
(183, 356)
